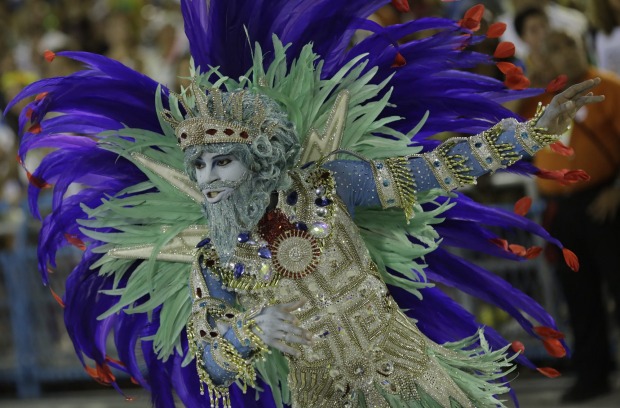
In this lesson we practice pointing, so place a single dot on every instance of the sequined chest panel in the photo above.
(358, 331)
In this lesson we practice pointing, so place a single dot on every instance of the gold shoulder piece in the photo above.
(181, 248)
(176, 178)
(319, 145)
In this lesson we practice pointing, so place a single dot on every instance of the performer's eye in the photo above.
(199, 164)
(223, 162)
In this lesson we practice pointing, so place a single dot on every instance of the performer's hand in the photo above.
(277, 327)
(605, 206)
(563, 107)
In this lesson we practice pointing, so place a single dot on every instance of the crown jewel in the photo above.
(219, 119)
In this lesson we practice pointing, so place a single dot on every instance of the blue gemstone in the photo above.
(204, 242)
(202, 304)
(379, 165)
(437, 163)
(478, 144)
(386, 183)
(322, 202)
(243, 237)
(391, 201)
(264, 253)
(301, 226)
(525, 135)
(291, 199)
(489, 160)
(447, 180)
(238, 271)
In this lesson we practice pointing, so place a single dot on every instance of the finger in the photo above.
(294, 330)
(262, 335)
(292, 306)
(588, 99)
(295, 338)
(285, 348)
(580, 88)
(284, 316)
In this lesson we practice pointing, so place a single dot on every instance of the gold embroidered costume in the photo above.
(364, 346)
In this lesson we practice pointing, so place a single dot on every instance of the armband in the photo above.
(533, 138)
(395, 184)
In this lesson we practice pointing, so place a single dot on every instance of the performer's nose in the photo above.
(212, 175)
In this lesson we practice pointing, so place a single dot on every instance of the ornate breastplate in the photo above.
(285, 243)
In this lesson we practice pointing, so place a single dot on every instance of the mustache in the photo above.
(220, 184)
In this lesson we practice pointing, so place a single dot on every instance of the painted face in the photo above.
(218, 175)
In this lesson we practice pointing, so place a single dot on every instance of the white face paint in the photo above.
(218, 175)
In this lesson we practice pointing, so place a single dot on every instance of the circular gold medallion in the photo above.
(295, 254)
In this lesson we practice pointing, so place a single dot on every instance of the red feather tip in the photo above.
(549, 372)
(554, 347)
(500, 242)
(399, 61)
(57, 298)
(561, 149)
(564, 176)
(40, 96)
(517, 347)
(571, 259)
(517, 82)
(508, 68)
(557, 84)
(496, 30)
(35, 129)
(38, 182)
(473, 16)
(533, 252)
(517, 249)
(401, 5)
(75, 241)
(548, 332)
(522, 206)
(505, 49)
(49, 55)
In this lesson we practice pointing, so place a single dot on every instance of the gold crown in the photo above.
(216, 123)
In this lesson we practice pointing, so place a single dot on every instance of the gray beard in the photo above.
(239, 212)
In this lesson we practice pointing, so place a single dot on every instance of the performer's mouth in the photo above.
(213, 196)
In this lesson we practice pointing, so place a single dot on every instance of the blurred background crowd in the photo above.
(147, 35)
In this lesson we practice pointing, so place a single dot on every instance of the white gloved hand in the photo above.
(277, 326)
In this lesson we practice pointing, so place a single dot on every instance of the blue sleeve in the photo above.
(218, 375)
(356, 183)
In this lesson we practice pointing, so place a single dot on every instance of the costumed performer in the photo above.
(313, 200)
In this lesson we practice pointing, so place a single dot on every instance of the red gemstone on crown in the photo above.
(183, 135)
(244, 134)
(211, 131)
(229, 132)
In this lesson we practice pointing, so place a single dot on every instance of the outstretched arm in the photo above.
(458, 161)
